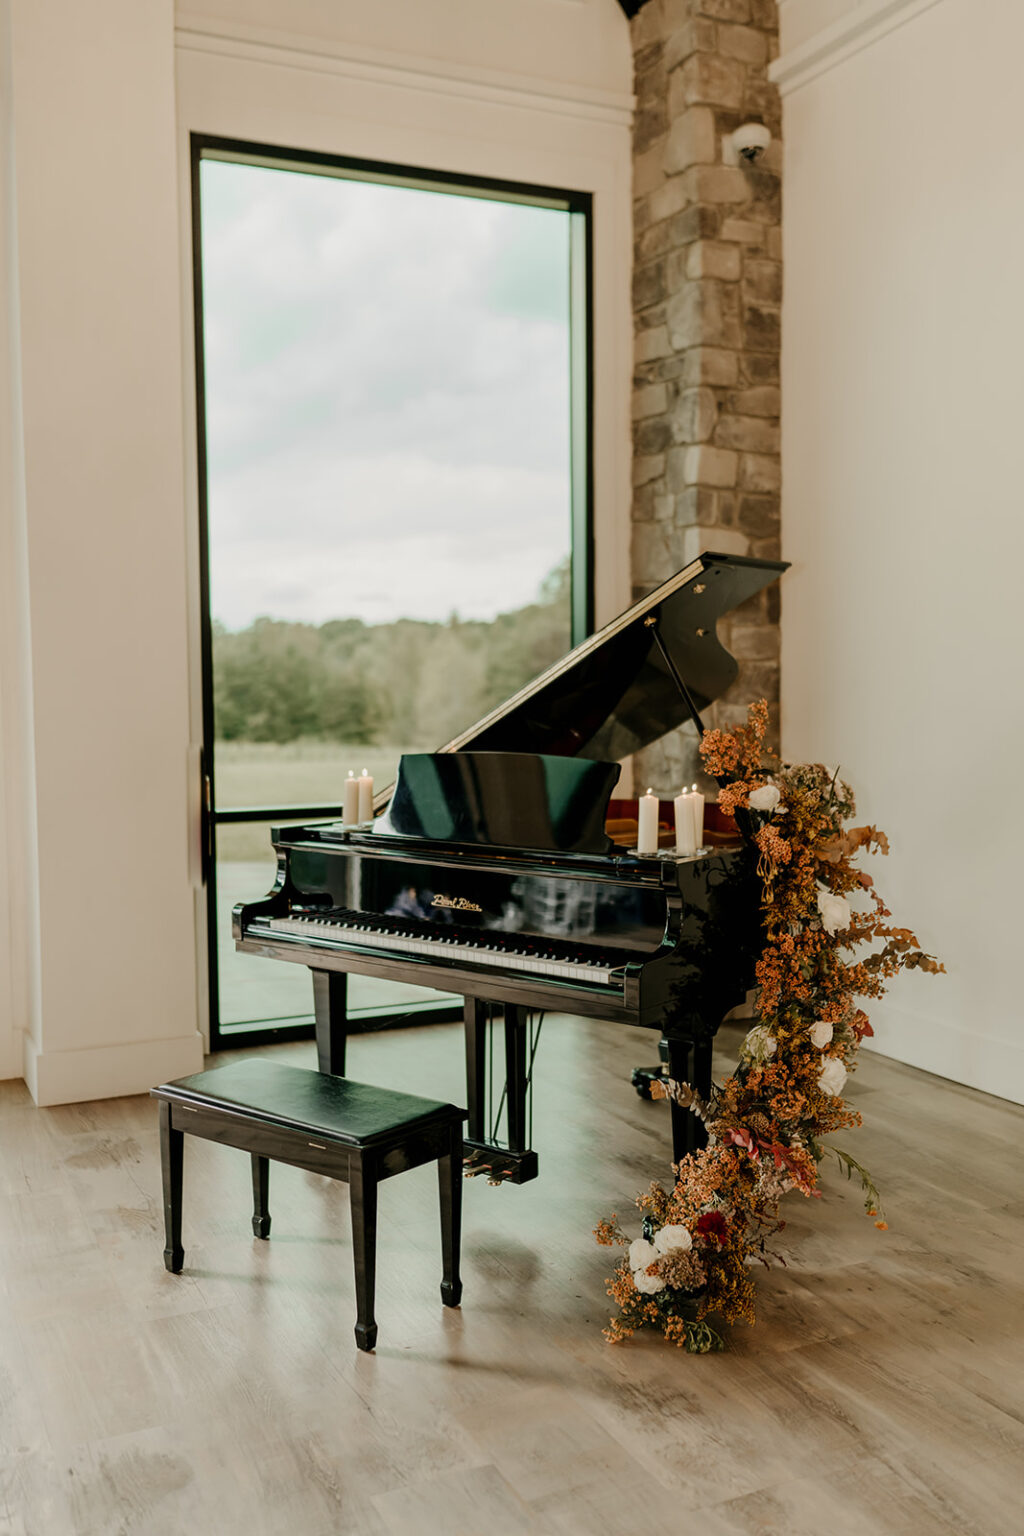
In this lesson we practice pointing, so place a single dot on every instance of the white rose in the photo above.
(642, 1253)
(821, 1034)
(760, 1044)
(648, 1285)
(675, 1238)
(832, 1075)
(835, 911)
(764, 799)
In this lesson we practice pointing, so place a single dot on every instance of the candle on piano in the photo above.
(365, 796)
(647, 823)
(697, 805)
(350, 799)
(685, 830)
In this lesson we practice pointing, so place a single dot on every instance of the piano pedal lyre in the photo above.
(498, 1164)
(515, 1162)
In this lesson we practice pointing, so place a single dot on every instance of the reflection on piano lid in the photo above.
(615, 693)
(502, 799)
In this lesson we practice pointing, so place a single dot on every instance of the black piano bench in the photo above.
(326, 1125)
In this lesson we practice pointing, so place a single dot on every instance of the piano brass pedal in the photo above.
(498, 1164)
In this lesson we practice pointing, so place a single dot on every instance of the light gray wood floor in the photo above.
(882, 1391)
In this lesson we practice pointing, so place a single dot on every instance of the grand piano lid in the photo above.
(615, 693)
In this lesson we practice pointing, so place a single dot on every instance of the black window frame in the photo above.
(581, 339)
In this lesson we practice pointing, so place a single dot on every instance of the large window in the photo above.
(394, 494)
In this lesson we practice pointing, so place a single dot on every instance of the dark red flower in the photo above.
(712, 1224)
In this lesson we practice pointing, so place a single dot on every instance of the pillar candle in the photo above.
(350, 799)
(697, 805)
(685, 837)
(647, 823)
(365, 796)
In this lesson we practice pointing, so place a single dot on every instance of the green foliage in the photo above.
(410, 681)
(851, 1167)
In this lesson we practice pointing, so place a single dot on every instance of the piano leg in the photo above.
(689, 1061)
(516, 1029)
(476, 1020)
(330, 1005)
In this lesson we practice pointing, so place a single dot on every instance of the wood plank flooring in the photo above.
(882, 1392)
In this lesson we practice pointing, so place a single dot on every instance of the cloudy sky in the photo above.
(387, 398)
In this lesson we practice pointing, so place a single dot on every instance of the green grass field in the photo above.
(279, 774)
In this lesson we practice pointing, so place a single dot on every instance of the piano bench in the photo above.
(327, 1125)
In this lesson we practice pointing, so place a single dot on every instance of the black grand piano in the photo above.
(489, 870)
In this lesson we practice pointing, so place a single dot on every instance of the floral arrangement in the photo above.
(767, 1122)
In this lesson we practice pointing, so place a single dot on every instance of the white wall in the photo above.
(95, 796)
(903, 619)
(100, 914)
(19, 957)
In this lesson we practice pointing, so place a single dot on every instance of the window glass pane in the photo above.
(388, 430)
(389, 504)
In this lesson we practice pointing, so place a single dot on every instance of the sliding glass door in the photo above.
(393, 388)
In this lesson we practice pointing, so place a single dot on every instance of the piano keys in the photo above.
(489, 871)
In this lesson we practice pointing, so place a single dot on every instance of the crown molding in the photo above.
(200, 34)
(864, 25)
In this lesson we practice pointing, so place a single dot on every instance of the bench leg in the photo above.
(260, 1190)
(172, 1143)
(449, 1178)
(362, 1186)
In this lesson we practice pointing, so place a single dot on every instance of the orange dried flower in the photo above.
(766, 1122)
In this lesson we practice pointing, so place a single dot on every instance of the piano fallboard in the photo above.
(596, 903)
(604, 937)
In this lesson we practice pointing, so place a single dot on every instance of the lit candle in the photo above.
(697, 806)
(350, 799)
(647, 823)
(685, 839)
(365, 796)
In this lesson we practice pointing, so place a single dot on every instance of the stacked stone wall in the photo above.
(707, 291)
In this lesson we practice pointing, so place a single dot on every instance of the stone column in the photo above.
(707, 289)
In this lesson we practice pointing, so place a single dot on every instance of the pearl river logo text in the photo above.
(456, 903)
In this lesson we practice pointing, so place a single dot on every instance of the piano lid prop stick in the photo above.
(647, 823)
(350, 800)
(365, 782)
(651, 623)
(685, 823)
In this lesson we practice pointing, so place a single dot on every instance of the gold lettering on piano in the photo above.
(456, 903)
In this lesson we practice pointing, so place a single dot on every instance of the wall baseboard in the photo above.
(109, 1071)
(969, 1058)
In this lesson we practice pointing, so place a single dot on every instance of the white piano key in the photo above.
(477, 954)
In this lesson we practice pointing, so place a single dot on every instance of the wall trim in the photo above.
(265, 45)
(869, 21)
(945, 1049)
(19, 897)
(109, 1071)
